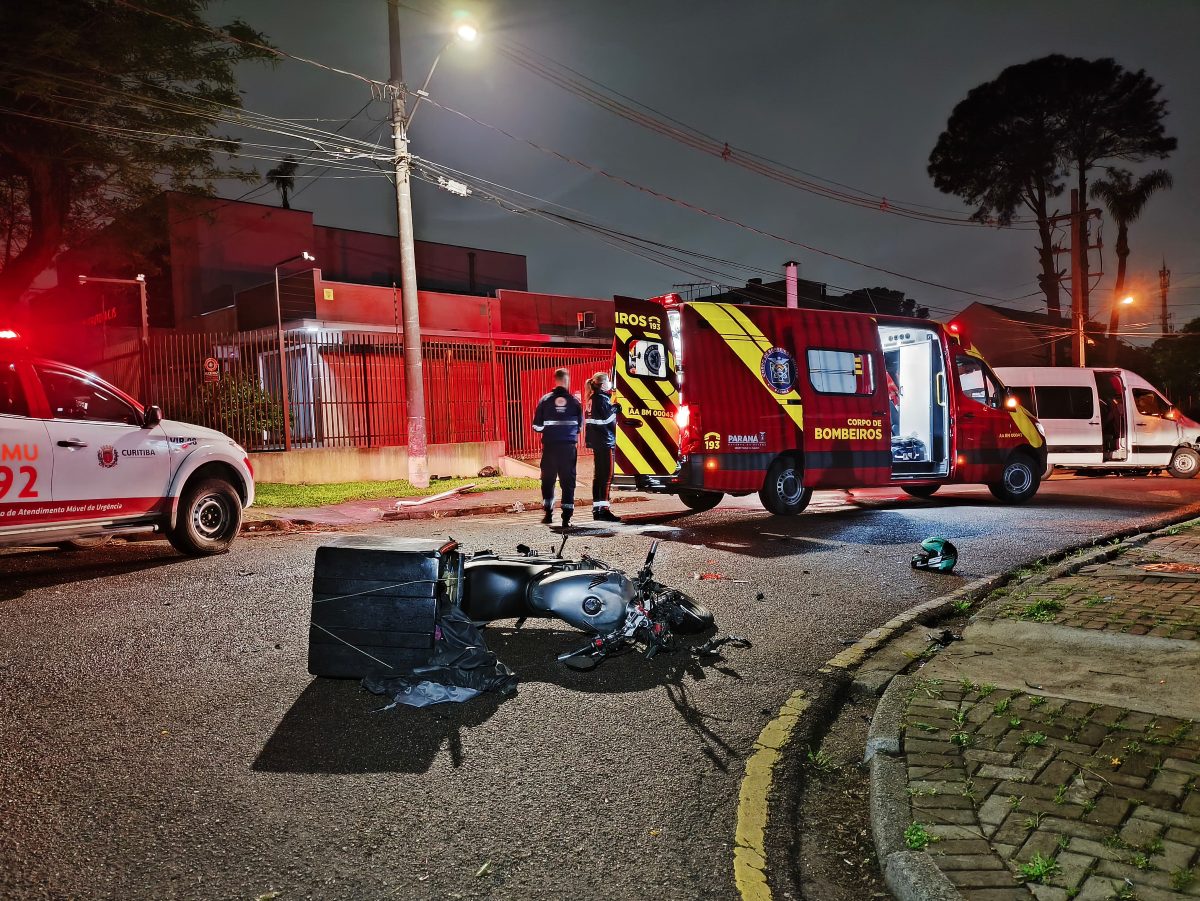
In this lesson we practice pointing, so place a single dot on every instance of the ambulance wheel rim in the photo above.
(1184, 463)
(788, 487)
(1018, 478)
(211, 517)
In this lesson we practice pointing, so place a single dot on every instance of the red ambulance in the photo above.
(723, 399)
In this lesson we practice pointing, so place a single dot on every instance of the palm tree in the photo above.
(283, 177)
(1125, 199)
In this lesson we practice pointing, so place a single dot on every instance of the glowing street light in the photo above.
(467, 32)
(1126, 301)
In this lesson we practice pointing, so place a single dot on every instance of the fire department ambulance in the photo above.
(722, 399)
(81, 459)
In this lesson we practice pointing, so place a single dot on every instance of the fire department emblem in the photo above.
(778, 369)
(107, 455)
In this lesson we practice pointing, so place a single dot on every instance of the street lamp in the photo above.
(140, 281)
(283, 380)
(401, 118)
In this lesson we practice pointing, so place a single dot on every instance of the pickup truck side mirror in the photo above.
(152, 416)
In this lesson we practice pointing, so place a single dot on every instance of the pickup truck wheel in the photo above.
(921, 490)
(1018, 482)
(699, 501)
(210, 516)
(783, 492)
(1185, 464)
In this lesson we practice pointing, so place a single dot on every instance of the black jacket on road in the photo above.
(558, 418)
(602, 422)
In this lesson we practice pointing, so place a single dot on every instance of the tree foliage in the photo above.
(102, 106)
(1177, 361)
(283, 178)
(1012, 142)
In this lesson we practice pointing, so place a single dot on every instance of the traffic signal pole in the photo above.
(414, 384)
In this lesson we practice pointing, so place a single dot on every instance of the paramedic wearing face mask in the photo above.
(601, 437)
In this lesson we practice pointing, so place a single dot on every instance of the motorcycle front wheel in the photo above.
(692, 616)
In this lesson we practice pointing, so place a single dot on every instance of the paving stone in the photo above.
(974, 845)
(953, 831)
(1039, 842)
(981, 878)
(935, 772)
(1191, 805)
(1183, 836)
(994, 757)
(1109, 811)
(1181, 820)
(1097, 850)
(988, 861)
(1175, 855)
(1049, 893)
(1138, 877)
(995, 894)
(991, 771)
(1172, 783)
(939, 802)
(1073, 867)
(1099, 888)
(1139, 832)
(1076, 829)
(1182, 766)
(993, 811)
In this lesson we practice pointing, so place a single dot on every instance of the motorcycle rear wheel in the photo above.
(692, 618)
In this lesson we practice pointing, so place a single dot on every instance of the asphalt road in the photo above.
(160, 737)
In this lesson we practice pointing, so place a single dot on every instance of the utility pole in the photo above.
(1164, 285)
(414, 384)
(1077, 221)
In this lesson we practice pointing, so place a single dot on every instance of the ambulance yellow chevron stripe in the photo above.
(650, 448)
(748, 342)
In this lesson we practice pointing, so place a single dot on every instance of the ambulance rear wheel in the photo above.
(699, 501)
(210, 516)
(921, 490)
(1184, 464)
(783, 493)
(1018, 482)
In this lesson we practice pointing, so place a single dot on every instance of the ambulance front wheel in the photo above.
(210, 517)
(699, 501)
(783, 492)
(1019, 481)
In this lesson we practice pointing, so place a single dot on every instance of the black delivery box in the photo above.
(376, 601)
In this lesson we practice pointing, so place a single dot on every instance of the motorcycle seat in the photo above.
(498, 588)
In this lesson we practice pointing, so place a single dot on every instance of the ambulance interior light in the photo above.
(9, 334)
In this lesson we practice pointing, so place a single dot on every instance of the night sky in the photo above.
(853, 92)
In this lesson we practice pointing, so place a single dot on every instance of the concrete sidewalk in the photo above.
(1053, 752)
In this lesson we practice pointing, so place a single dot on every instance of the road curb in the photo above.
(905, 865)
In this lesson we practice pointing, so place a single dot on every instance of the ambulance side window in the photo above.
(71, 397)
(12, 396)
(977, 383)
(841, 372)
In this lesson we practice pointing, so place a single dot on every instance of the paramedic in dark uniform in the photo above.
(602, 438)
(558, 418)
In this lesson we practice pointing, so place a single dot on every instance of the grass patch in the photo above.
(1040, 611)
(275, 494)
(1034, 739)
(917, 837)
(962, 605)
(1181, 880)
(821, 762)
(1040, 869)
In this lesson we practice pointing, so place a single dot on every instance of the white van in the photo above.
(1108, 419)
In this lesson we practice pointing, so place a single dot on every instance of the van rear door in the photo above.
(647, 387)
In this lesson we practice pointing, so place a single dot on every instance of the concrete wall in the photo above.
(319, 466)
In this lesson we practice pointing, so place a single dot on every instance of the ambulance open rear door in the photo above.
(647, 387)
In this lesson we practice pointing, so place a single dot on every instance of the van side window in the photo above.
(977, 383)
(1064, 402)
(841, 371)
(1149, 403)
(12, 397)
(1024, 396)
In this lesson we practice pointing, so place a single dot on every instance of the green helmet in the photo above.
(936, 554)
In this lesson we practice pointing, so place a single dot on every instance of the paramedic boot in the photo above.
(566, 517)
(604, 514)
(549, 516)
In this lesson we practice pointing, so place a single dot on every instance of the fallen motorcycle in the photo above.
(595, 597)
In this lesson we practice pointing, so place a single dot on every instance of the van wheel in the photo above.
(783, 493)
(1185, 463)
(210, 516)
(1019, 481)
(699, 501)
(921, 490)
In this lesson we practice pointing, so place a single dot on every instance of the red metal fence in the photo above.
(346, 389)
